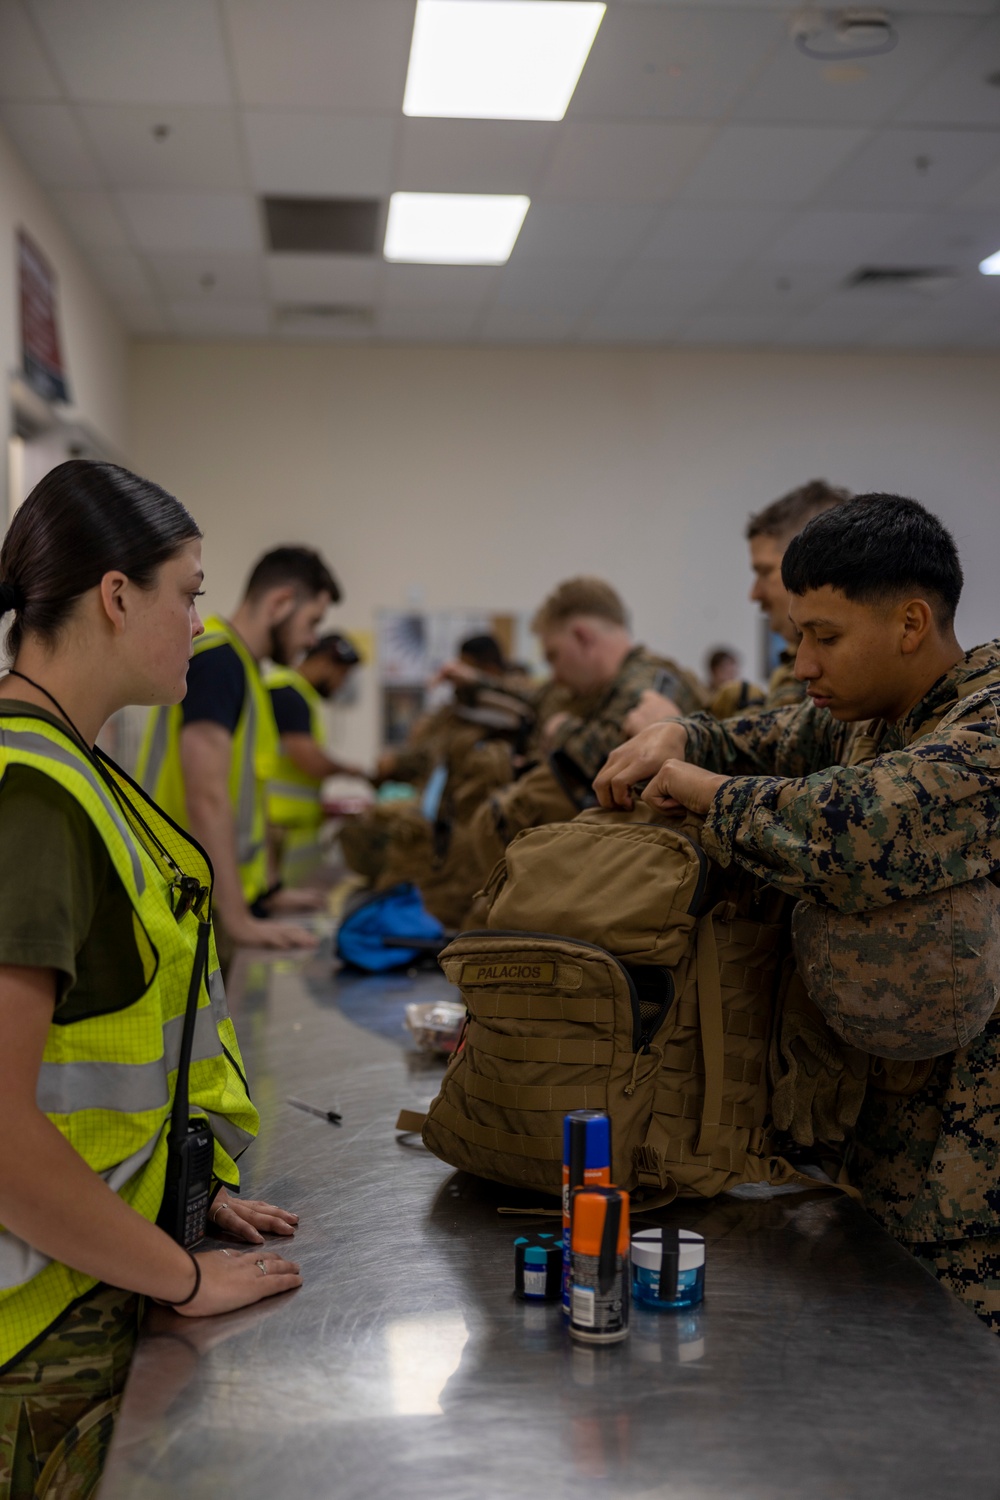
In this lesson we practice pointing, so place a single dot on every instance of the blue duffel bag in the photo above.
(396, 915)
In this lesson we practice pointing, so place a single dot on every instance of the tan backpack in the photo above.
(614, 976)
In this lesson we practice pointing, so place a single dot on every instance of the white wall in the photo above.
(94, 343)
(482, 477)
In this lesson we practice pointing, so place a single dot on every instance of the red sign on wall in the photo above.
(41, 356)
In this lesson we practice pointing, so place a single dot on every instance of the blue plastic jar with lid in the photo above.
(668, 1268)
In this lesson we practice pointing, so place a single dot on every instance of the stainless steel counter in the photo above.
(824, 1362)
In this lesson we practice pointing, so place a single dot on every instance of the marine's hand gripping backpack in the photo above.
(611, 978)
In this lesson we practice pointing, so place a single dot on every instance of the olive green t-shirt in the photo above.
(62, 903)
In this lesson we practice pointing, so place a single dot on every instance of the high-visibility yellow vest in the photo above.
(255, 753)
(293, 797)
(107, 1082)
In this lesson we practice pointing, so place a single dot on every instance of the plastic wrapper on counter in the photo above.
(436, 1027)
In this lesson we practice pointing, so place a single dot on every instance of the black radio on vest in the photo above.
(191, 1146)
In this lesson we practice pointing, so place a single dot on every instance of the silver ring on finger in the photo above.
(263, 1266)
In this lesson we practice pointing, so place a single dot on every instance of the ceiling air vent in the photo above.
(903, 278)
(323, 226)
(337, 317)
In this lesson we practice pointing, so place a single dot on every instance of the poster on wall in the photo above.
(41, 352)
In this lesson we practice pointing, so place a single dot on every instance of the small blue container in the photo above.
(538, 1262)
(668, 1268)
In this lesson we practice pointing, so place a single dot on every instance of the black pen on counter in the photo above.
(321, 1114)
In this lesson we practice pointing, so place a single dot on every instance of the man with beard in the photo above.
(207, 760)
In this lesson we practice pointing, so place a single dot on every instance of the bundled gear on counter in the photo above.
(619, 973)
(387, 930)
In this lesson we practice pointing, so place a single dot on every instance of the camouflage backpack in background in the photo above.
(620, 972)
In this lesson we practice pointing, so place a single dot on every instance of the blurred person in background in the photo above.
(208, 760)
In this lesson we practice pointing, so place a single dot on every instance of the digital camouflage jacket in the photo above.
(856, 817)
(589, 741)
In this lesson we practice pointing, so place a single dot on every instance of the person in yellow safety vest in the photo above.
(207, 760)
(294, 811)
(105, 944)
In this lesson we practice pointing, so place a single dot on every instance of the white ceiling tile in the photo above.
(322, 278)
(136, 51)
(49, 139)
(205, 319)
(322, 329)
(769, 164)
(217, 278)
(582, 231)
(639, 161)
(913, 168)
(439, 286)
(801, 89)
(720, 329)
(92, 216)
(144, 318)
(122, 275)
(319, 154)
(201, 148)
(778, 294)
(836, 237)
(173, 221)
(650, 301)
(984, 192)
(523, 326)
(24, 72)
(473, 156)
(444, 320)
(960, 92)
(329, 54)
(851, 318)
(560, 286)
(688, 64)
(950, 237)
(723, 236)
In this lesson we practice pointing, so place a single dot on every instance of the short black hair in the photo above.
(485, 651)
(877, 547)
(301, 566)
(341, 651)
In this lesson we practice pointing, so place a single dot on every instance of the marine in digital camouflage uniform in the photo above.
(59, 1403)
(856, 817)
(588, 741)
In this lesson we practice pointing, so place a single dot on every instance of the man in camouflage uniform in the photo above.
(884, 786)
(584, 633)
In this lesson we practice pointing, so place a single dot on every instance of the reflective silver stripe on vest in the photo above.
(131, 1088)
(19, 1261)
(294, 790)
(159, 740)
(37, 744)
(229, 1136)
(247, 846)
(217, 995)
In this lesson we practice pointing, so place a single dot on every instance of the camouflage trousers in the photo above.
(59, 1403)
(970, 1269)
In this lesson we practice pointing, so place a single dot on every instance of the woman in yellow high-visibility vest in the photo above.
(105, 944)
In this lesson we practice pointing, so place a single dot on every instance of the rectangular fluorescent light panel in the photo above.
(453, 229)
(498, 59)
(991, 265)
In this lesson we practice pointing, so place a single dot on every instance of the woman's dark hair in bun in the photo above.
(84, 519)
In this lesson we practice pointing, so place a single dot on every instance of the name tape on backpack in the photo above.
(508, 973)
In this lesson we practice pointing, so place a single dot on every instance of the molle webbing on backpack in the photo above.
(668, 1032)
